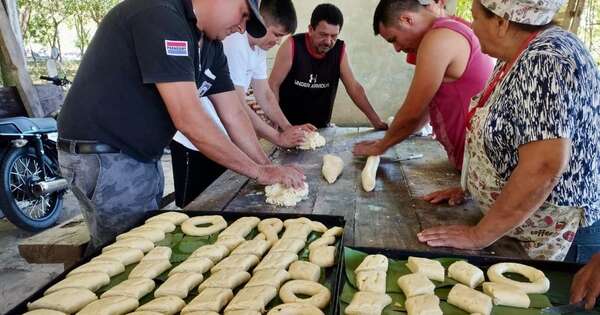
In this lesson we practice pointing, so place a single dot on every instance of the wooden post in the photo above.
(12, 52)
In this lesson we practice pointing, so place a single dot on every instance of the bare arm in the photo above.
(429, 75)
(541, 164)
(239, 126)
(357, 93)
(183, 105)
(281, 67)
(268, 102)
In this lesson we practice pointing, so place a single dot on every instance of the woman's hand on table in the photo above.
(369, 148)
(291, 138)
(288, 175)
(456, 236)
(586, 284)
(455, 196)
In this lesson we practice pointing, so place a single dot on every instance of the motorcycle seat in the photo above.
(27, 125)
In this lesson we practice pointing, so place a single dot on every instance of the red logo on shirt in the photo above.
(176, 48)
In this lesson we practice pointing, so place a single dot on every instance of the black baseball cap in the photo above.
(255, 25)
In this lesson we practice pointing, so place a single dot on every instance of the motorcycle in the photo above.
(31, 187)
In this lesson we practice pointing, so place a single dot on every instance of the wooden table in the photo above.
(388, 217)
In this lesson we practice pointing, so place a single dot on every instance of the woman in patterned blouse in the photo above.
(532, 159)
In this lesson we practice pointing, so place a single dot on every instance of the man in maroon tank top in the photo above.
(308, 68)
(450, 70)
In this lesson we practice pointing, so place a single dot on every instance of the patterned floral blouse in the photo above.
(552, 91)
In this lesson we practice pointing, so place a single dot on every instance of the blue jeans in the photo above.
(585, 245)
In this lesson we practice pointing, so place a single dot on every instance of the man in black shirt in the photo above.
(138, 82)
(308, 68)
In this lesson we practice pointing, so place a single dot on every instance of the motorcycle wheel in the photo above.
(18, 170)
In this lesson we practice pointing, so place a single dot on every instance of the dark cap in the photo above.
(255, 25)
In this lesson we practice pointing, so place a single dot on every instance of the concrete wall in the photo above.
(383, 72)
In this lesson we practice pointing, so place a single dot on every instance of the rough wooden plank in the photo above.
(16, 63)
(339, 198)
(51, 99)
(62, 244)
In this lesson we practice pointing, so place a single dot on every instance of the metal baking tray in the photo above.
(333, 275)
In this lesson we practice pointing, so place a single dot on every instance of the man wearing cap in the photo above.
(138, 83)
(247, 60)
(450, 70)
(308, 68)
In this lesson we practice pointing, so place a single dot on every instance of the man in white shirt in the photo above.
(247, 60)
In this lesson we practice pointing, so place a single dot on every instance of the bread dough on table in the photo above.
(295, 309)
(304, 270)
(368, 303)
(332, 167)
(268, 277)
(373, 262)
(44, 312)
(231, 242)
(415, 284)
(279, 195)
(133, 288)
(226, 279)
(432, 269)
(466, 274)
(252, 298)
(69, 300)
(210, 299)
(150, 269)
(174, 217)
(167, 305)
(323, 256)
(470, 300)
(322, 241)
(315, 226)
(151, 234)
(237, 262)
(203, 313)
(292, 245)
(142, 244)
(109, 267)
(319, 295)
(241, 227)
(125, 256)
(144, 313)
(256, 247)
(299, 231)
(114, 305)
(371, 281)
(334, 231)
(198, 265)
(312, 141)
(369, 173)
(214, 252)
(427, 304)
(270, 228)
(91, 281)
(190, 226)
(179, 284)
(505, 294)
(240, 312)
(159, 253)
(160, 224)
(538, 281)
(280, 260)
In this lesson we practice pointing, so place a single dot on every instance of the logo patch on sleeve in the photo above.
(176, 48)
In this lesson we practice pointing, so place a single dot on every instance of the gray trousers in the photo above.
(113, 190)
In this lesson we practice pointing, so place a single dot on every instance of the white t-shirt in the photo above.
(245, 64)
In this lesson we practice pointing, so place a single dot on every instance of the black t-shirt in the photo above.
(114, 99)
(308, 92)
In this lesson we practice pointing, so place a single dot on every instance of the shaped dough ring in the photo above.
(217, 223)
(539, 283)
(319, 294)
